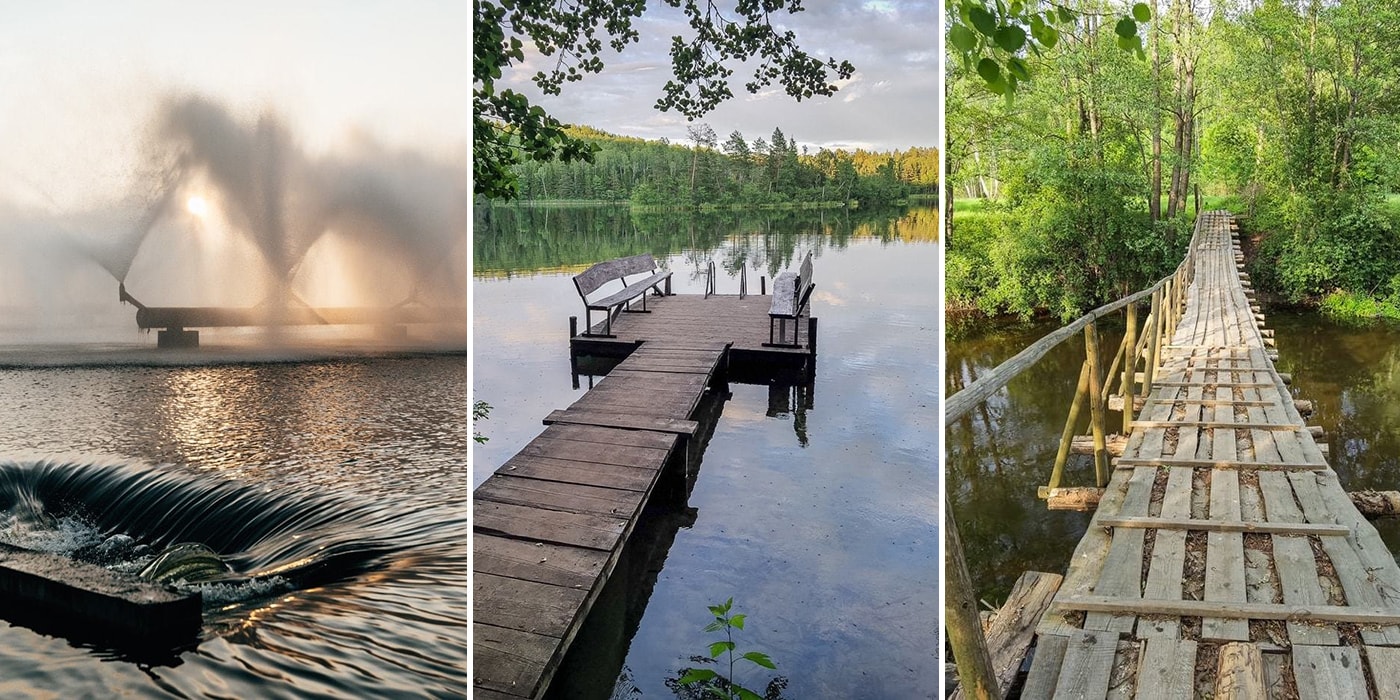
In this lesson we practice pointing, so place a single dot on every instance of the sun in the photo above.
(197, 206)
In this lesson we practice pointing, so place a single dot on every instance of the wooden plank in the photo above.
(657, 379)
(1224, 526)
(1122, 568)
(1088, 663)
(1216, 424)
(1045, 667)
(1293, 559)
(1385, 670)
(1167, 669)
(1241, 611)
(510, 661)
(1132, 462)
(561, 496)
(528, 606)
(1357, 581)
(1164, 574)
(624, 421)
(602, 453)
(540, 525)
(1329, 673)
(570, 567)
(613, 476)
(610, 436)
(1225, 579)
(1214, 384)
(1240, 672)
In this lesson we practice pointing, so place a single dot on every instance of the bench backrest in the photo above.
(804, 283)
(593, 278)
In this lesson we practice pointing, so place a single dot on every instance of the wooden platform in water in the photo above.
(551, 523)
(1225, 559)
(695, 318)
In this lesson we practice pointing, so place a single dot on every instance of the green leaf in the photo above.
(1017, 68)
(1141, 12)
(761, 659)
(989, 70)
(696, 675)
(1066, 14)
(1125, 28)
(719, 648)
(962, 38)
(714, 627)
(1126, 43)
(983, 21)
(1048, 37)
(746, 694)
(1011, 38)
(737, 621)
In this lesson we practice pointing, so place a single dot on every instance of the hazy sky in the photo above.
(891, 102)
(81, 79)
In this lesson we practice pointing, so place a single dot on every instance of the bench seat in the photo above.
(632, 291)
(610, 271)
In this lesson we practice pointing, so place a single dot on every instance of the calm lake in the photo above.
(1004, 449)
(821, 523)
(339, 484)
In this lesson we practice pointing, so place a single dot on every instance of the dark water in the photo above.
(338, 485)
(821, 522)
(1005, 448)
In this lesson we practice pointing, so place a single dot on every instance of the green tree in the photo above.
(507, 129)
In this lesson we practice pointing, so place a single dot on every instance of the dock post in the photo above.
(762, 285)
(573, 328)
(975, 672)
(812, 334)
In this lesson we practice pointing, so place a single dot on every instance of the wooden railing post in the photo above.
(975, 673)
(1067, 436)
(1130, 368)
(1096, 407)
(1149, 372)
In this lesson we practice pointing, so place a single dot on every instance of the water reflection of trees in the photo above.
(510, 241)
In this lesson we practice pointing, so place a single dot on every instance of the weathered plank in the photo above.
(559, 565)
(1240, 673)
(1167, 669)
(527, 606)
(624, 421)
(510, 661)
(1045, 667)
(540, 525)
(1088, 663)
(1329, 673)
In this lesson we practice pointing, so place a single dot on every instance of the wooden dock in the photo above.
(742, 321)
(552, 522)
(1224, 559)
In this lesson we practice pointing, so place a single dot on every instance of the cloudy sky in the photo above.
(891, 102)
(82, 79)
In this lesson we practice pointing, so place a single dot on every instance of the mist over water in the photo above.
(219, 207)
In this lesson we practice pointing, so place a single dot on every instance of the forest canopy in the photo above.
(770, 170)
(1084, 187)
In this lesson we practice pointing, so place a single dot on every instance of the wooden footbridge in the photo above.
(551, 523)
(1224, 558)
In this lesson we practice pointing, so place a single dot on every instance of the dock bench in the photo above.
(601, 274)
(791, 292)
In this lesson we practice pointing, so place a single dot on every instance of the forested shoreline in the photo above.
(771, 171)
(1085, 185)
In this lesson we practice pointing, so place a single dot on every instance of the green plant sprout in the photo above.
(711, 682)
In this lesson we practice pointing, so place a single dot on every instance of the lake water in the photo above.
(1004, 449)
(821, 523)
(340, 484)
